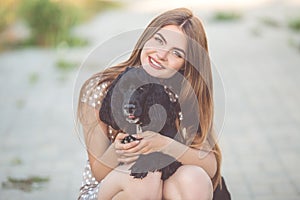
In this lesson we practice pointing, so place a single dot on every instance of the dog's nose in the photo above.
(130, 108)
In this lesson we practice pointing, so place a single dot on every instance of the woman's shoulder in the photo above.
(94, 90)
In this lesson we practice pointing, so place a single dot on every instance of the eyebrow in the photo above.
(162, 37)
(178, 49)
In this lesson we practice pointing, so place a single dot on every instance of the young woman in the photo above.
(175, 41)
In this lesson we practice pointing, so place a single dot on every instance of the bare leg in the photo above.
(188, 183)
(119, 185)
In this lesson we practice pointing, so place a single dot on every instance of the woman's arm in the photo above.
(191, 156)
(101, 152)
(106, 162)
(152, 142)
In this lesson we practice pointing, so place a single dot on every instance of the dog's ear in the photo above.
(105, 112)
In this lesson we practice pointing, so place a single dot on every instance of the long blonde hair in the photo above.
(197, 70)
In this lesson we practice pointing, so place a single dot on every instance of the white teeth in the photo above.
(155, 63)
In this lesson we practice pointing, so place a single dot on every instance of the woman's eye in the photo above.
(160, 41)
(177, 54)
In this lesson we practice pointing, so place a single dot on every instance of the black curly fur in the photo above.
(152, 162)
(135, 87)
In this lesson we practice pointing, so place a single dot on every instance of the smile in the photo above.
(156, 65)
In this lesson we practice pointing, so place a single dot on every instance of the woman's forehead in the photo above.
(173, 35)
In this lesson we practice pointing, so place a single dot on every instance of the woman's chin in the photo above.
(155, 72)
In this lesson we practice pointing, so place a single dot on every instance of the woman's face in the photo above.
(164, 54)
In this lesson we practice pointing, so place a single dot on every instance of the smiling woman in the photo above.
(172, 50)
(164, 54)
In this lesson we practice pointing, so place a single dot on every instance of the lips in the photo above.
(156, 65)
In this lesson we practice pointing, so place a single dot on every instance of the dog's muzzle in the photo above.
(129, 113)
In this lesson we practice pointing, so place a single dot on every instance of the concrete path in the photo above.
(259, 65)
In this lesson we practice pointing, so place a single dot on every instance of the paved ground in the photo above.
(259, 65)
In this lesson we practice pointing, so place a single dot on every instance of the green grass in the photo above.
(25, 184)
(16, 161)
(268, 21)
(93, 7)
(65, 66)
(20, 103)
(227, 16)
(33, 78)
(49, 21)
(294, 23)
(71, 41)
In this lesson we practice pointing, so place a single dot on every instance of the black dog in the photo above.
(135, 100)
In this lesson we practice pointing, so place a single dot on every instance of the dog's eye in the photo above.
(141, 89)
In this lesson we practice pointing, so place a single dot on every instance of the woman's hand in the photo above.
(150, 142)
(147, 142)
(121, 149)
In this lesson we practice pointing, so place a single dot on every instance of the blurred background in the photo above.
(255, 49)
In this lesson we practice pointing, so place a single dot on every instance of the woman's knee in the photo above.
(149, 187)
(193, 174)
(190, 182)
(120, 185)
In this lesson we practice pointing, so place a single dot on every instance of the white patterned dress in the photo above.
(90, 186)
(92, 93)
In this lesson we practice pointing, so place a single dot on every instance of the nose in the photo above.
(129, 108)
(162, 54)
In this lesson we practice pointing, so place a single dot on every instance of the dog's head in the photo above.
(134, 100)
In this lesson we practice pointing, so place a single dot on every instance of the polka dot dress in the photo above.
(92, 95)
(94, 92)
(90, 186)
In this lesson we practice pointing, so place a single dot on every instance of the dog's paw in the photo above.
(129, 139)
